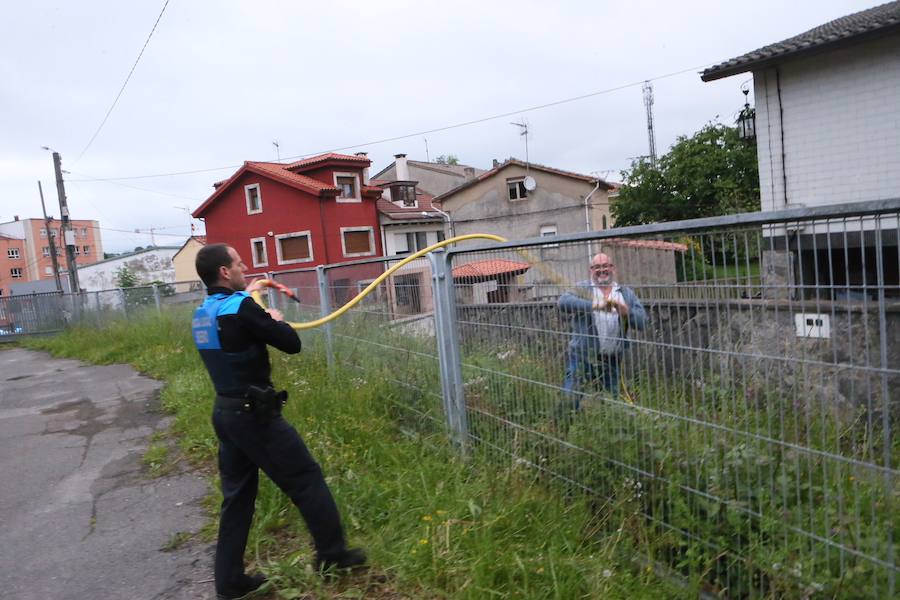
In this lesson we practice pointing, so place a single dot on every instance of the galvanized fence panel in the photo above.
(751, 427)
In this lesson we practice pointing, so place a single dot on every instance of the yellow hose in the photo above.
(356, 299)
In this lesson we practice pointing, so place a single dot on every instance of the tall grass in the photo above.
(436, 526)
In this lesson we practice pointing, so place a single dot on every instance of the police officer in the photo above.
(231, 332)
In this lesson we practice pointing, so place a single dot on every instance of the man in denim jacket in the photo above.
(602, 311)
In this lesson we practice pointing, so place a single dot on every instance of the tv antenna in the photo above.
(523, 131)
(277, 150)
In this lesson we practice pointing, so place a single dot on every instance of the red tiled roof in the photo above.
(276, 171)
(490, 268)
(649, 244)
(328, 156)
(280, 171)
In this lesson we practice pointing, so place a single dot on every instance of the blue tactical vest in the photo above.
(222, 366)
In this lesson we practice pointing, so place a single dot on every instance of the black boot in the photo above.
(348, 559)
(244, 586)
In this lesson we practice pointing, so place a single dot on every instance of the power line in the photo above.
(92, 179)
(122, 89)
(428, 131)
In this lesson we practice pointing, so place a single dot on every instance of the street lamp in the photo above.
(746, 120)
(443, 214)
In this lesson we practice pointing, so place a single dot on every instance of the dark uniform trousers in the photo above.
(246, 442)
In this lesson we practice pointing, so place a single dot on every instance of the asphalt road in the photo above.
(78, 516)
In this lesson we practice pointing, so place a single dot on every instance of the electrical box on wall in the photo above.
(812, 325)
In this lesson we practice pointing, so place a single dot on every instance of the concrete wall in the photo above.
(840, 127)
(148, 265)
(746, 348)
(432, 181)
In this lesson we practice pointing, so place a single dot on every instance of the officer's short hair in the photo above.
(209, 259)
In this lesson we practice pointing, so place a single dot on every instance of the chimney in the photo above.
(402, 167)
(496, 163)
(365, 173)
(470, 173)
(15, 217)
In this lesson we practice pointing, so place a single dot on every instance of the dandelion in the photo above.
(426, 518)
(540, 570)
(423, 541)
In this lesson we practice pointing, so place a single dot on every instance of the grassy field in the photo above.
(435, 526)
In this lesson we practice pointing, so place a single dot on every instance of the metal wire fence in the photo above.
(746, 419)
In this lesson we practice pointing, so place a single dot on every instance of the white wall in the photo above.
(149, 265)
(841, 130)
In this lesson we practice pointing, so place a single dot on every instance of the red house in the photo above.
(320, 210)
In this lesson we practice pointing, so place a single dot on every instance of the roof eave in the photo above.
(756, 65)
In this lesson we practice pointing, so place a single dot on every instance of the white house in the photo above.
(827, 111)
(828, 132)
(153, 264)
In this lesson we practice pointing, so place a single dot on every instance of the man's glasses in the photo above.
(602, 266)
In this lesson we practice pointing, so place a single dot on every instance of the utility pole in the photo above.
(68, 236)
(52, 242)
(648, 104)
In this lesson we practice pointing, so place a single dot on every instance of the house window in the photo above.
(45, 250)
(604, 222)
(258, 251)
(409, 242)
(48, 270)
(406, 195)
(516, 188)
(16, 273)
(358, 241)
(293, 247)
(440, 236)
(12, 253)
(254, 199)
(77, 250)
(43, 232)
(549, 231)
(348, 184)
(84, 232)
(86, 250)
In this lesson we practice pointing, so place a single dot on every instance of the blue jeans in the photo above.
(584, 372)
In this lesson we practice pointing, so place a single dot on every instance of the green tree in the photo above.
(711, 173)
(449, 159)
(125, 277)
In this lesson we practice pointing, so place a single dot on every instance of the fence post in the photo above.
(271, 294)
(449, 357)
(124, 303)
(325, 309)
(156, 299)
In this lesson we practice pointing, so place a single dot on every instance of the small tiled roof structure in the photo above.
(482, 270)
(315, 161)
(514, 161)
(864, 25)
(648, 244)
(398, 212)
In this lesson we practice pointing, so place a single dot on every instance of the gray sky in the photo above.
(220, 80)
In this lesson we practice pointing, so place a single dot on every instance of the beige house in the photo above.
(185, 273)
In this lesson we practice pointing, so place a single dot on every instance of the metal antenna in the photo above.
(648, 103)
(523, 126)
(427, 157)
(277, 150)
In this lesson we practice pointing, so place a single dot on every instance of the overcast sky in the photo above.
(220, 80)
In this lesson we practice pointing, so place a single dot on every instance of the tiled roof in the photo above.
(488, 269)
(515, 161)
(280, 171)
(650, 244)
(394, 211)
(877, 21)
(328, 156)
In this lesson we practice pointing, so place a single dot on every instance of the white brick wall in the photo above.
(841, 127)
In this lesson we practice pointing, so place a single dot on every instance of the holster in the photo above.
(266, 403)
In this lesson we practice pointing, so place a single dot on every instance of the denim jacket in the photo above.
(579, 304)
